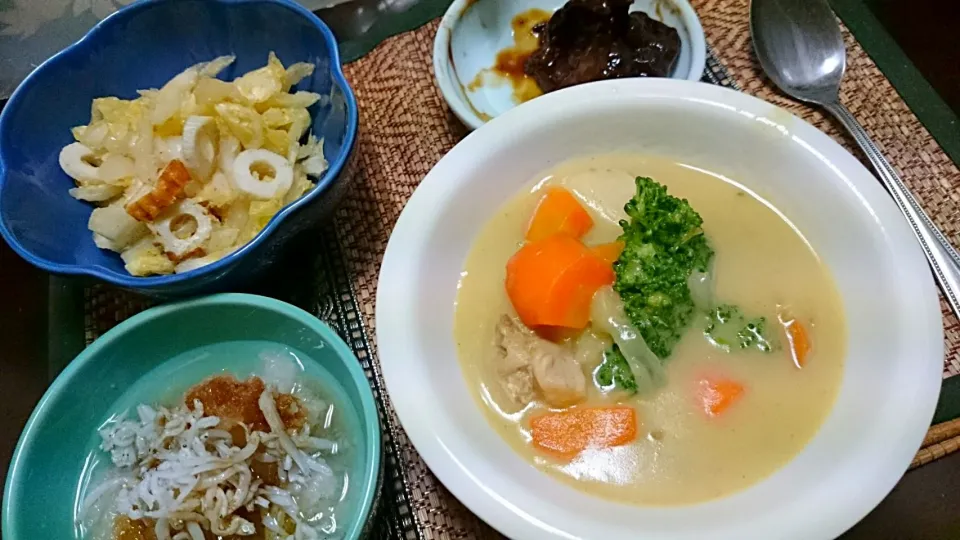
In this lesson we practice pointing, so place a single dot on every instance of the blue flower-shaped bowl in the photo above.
(143, 46)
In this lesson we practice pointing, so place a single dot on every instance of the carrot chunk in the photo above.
(558, 212)
(551, 282)
(798, 339)
(717, 395)
(170, 186)
(608, 253)
(570, 432)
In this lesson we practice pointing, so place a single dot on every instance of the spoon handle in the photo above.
(942, 256)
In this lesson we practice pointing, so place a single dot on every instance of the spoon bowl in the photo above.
(800, 47)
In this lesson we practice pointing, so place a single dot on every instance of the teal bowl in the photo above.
(215, 334)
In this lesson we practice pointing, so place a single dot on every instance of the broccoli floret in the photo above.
(753, 334)
(726, 326)
(614, 372)
(663, 245)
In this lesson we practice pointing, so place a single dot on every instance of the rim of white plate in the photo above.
(416, 403)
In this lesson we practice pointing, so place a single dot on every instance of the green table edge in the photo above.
(933, 112)
(66, 337)
(390, 25)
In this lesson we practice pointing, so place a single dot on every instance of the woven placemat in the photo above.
(406, 127)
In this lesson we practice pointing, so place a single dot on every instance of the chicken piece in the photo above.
(170, 186)
(516, 378)
(557, 374)
(530, 363)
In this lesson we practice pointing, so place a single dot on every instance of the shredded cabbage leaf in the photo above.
(131, 141)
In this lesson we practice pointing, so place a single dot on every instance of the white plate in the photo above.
(472, 32)
(891, 375)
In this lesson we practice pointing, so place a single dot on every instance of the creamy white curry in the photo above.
(745, 382)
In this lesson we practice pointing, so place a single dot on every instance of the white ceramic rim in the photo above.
(446, 76)
(836, 513)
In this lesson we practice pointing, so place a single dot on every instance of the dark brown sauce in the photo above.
(510, 61)
(125, 528)
(233, 401)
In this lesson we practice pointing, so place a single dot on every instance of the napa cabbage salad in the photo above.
(188, 173)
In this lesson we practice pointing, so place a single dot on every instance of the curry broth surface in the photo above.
(681, 456)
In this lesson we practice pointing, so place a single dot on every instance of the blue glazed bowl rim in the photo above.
(368, 408)
(159, 282)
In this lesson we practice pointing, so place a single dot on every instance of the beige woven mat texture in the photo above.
(406, 127)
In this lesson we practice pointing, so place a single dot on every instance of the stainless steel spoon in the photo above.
(800, 48)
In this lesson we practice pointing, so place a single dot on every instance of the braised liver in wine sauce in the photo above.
(591, 40)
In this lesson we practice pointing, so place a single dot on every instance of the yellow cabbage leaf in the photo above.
(243, 122)
(261, 84)
(146, 259)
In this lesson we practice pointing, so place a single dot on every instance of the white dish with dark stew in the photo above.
(492, 55)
